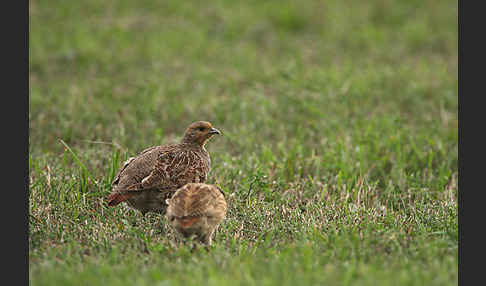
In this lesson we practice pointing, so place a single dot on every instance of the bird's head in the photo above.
(199, 132)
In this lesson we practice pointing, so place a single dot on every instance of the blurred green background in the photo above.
(327, 105)
(121, 70)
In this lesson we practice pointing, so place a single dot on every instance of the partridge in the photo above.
(197, 209)
(147, 180)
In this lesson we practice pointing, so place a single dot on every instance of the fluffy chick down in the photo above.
(197, 209)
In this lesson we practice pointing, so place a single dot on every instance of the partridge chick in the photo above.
(147, 180)
(197, 209)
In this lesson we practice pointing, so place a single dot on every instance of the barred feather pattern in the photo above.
(197, 209)
(152, 176)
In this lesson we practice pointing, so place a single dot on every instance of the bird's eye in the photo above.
(201, 128)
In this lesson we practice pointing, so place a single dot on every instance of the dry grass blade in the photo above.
(79, 162)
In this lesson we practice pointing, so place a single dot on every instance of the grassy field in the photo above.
(340, 115)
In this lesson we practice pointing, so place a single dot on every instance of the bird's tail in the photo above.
(115, 199)
(188, 221)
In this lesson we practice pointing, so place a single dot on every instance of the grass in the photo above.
(339, 156)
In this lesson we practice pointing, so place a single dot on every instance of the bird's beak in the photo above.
(214, 131)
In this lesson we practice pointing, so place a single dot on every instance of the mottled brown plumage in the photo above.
(197, 209)
(147, 180)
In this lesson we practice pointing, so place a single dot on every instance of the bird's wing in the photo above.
(127, 163)
(173, 169)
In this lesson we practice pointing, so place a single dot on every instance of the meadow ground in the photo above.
(339, 158)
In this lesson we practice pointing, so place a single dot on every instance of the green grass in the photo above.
(339, 156)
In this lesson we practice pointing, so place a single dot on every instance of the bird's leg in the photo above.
(194, 247)
(207, 239)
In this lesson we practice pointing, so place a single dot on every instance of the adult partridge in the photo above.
(147, 180)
